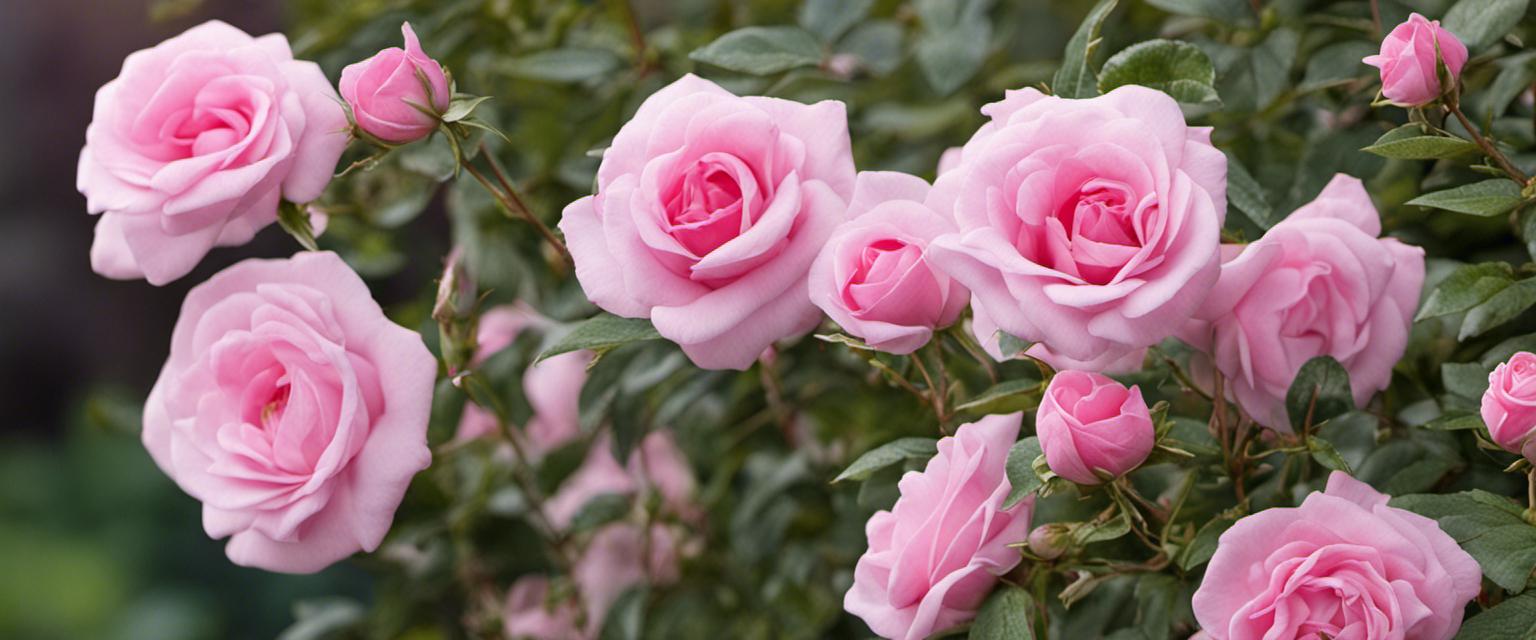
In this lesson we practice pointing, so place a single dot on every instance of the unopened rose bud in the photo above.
(1049, 541)
(395, 94)
(1410, 74)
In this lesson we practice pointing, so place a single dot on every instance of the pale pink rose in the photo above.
(552, 386)
(1112, 362)
(1088, 422)
(391, 93)
(1342, 565)
(196, 141)
(933, 557)
(1509, 404)
(1088, 226)
(656, 464)
(872, 278)
(293, 409)
(531, 613)
(708, 213)
(1409, 73)
(610, 564)
(1319, 283)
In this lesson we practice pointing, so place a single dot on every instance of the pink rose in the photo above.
(1088, 422)
(194, 144)
(610, 564)
(656, 463)
(933, 557)
(872, 278)
(1116, 362)
(530, 613)
(708, 213)
(293, 409)
(1089, 226)
(388, 92)
(1342, 565)
(1509, 404)
(1319, 283)
(1409, 73)
(552, 386)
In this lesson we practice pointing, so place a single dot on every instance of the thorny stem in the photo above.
(1376, 18)
(1453, 105)
(936, 392)
(507, 197)
(636, 37)
(775, 395)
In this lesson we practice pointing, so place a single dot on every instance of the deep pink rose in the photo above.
(610, 564)
(872, 278)
(1409, 75)
(194, 143)
(388, 92)
(933, 557)
(656, 463)
(1319, 283)
(1087, 421)
(1343, 565)
(1089, 226)
(1509, 404)
(552, 385)
(293, 409)
(708, 213)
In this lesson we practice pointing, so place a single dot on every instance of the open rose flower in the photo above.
(552, 386)
(195, 142)
(934, 556)
(1342, 565)
(708, 213)
(1089, 226)
(872, 278)
(293, 409)
(391, 93)
(1110, 362)
(1089, 422)
(1410, 75)
(1319, 283)
(1509, 404)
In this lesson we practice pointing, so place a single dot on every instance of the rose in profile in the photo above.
(1342, 565)
(293, 409)
(194, 144)
(872, 278)
(1410, 74)
(1088, 422)
(552, 385)
(708, 212)
(1509, 404)
(1088, 226)
(1320, 283)
(395, 94)
(934, 556)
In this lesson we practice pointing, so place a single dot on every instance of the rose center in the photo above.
(880, 264)
(1092, 234)
(705, 207)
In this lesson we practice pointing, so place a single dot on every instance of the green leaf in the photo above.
(1487, 198)
(1222, 10)
(1006, 397)
(1488, 526)
(564, 65)
(1337, 64)
(1246, 195)
(1011, 345)
(1157, 599)
(1408, 143)
(1005, 616)
(1468, 286)
(601, 509)
(1465, 379)
(1200, 550)
(1178, 69)
(845, 340)
(1325, 454)
(602, 332)
(950, 55)
(1455, 422)
(761, 50)
(1512, 618)
(896, 451)
(1498, 309)
(1252, 77)
(1326, 380)
(1479, 23)
(877, 45)
(625, 620)
(829, 19)
(460, 108)
(294, 218)
(1084, 533)
(1022, 478)
(1074, 79)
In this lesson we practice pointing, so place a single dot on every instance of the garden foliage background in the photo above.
(95, 542)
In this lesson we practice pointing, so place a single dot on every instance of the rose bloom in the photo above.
(656, 463)
(196, 141)
(934, 556)
(872, 278)
(1089, 226)
(1343, 565)
(708, 213)
(609, 565)
(1319, 283)
(1509, 404)
(293, 409)
(1112, 362)
(1088, 422)
(388, 92)
(1409, 73)
(552, 385)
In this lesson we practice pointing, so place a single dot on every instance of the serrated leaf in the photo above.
(1479, 23)
(602, 332)
(1325, 454)
(1022, 479)
(1178, 69)
(1005, 616)
(1203, 546)
(885, 455)
(761, 50)
(1005, 397)
(1408, 143)
(1466, 287)
(1246, 195)
(1487, 198)
(1498, 309)
(1326, 380)
(1074, 79)
(1512, 618)
(1488, 526)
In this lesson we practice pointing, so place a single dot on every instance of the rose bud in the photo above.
(391, 93)
(1088, 422)
(1049, 541)
(1409, 73)
(1509, 404)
